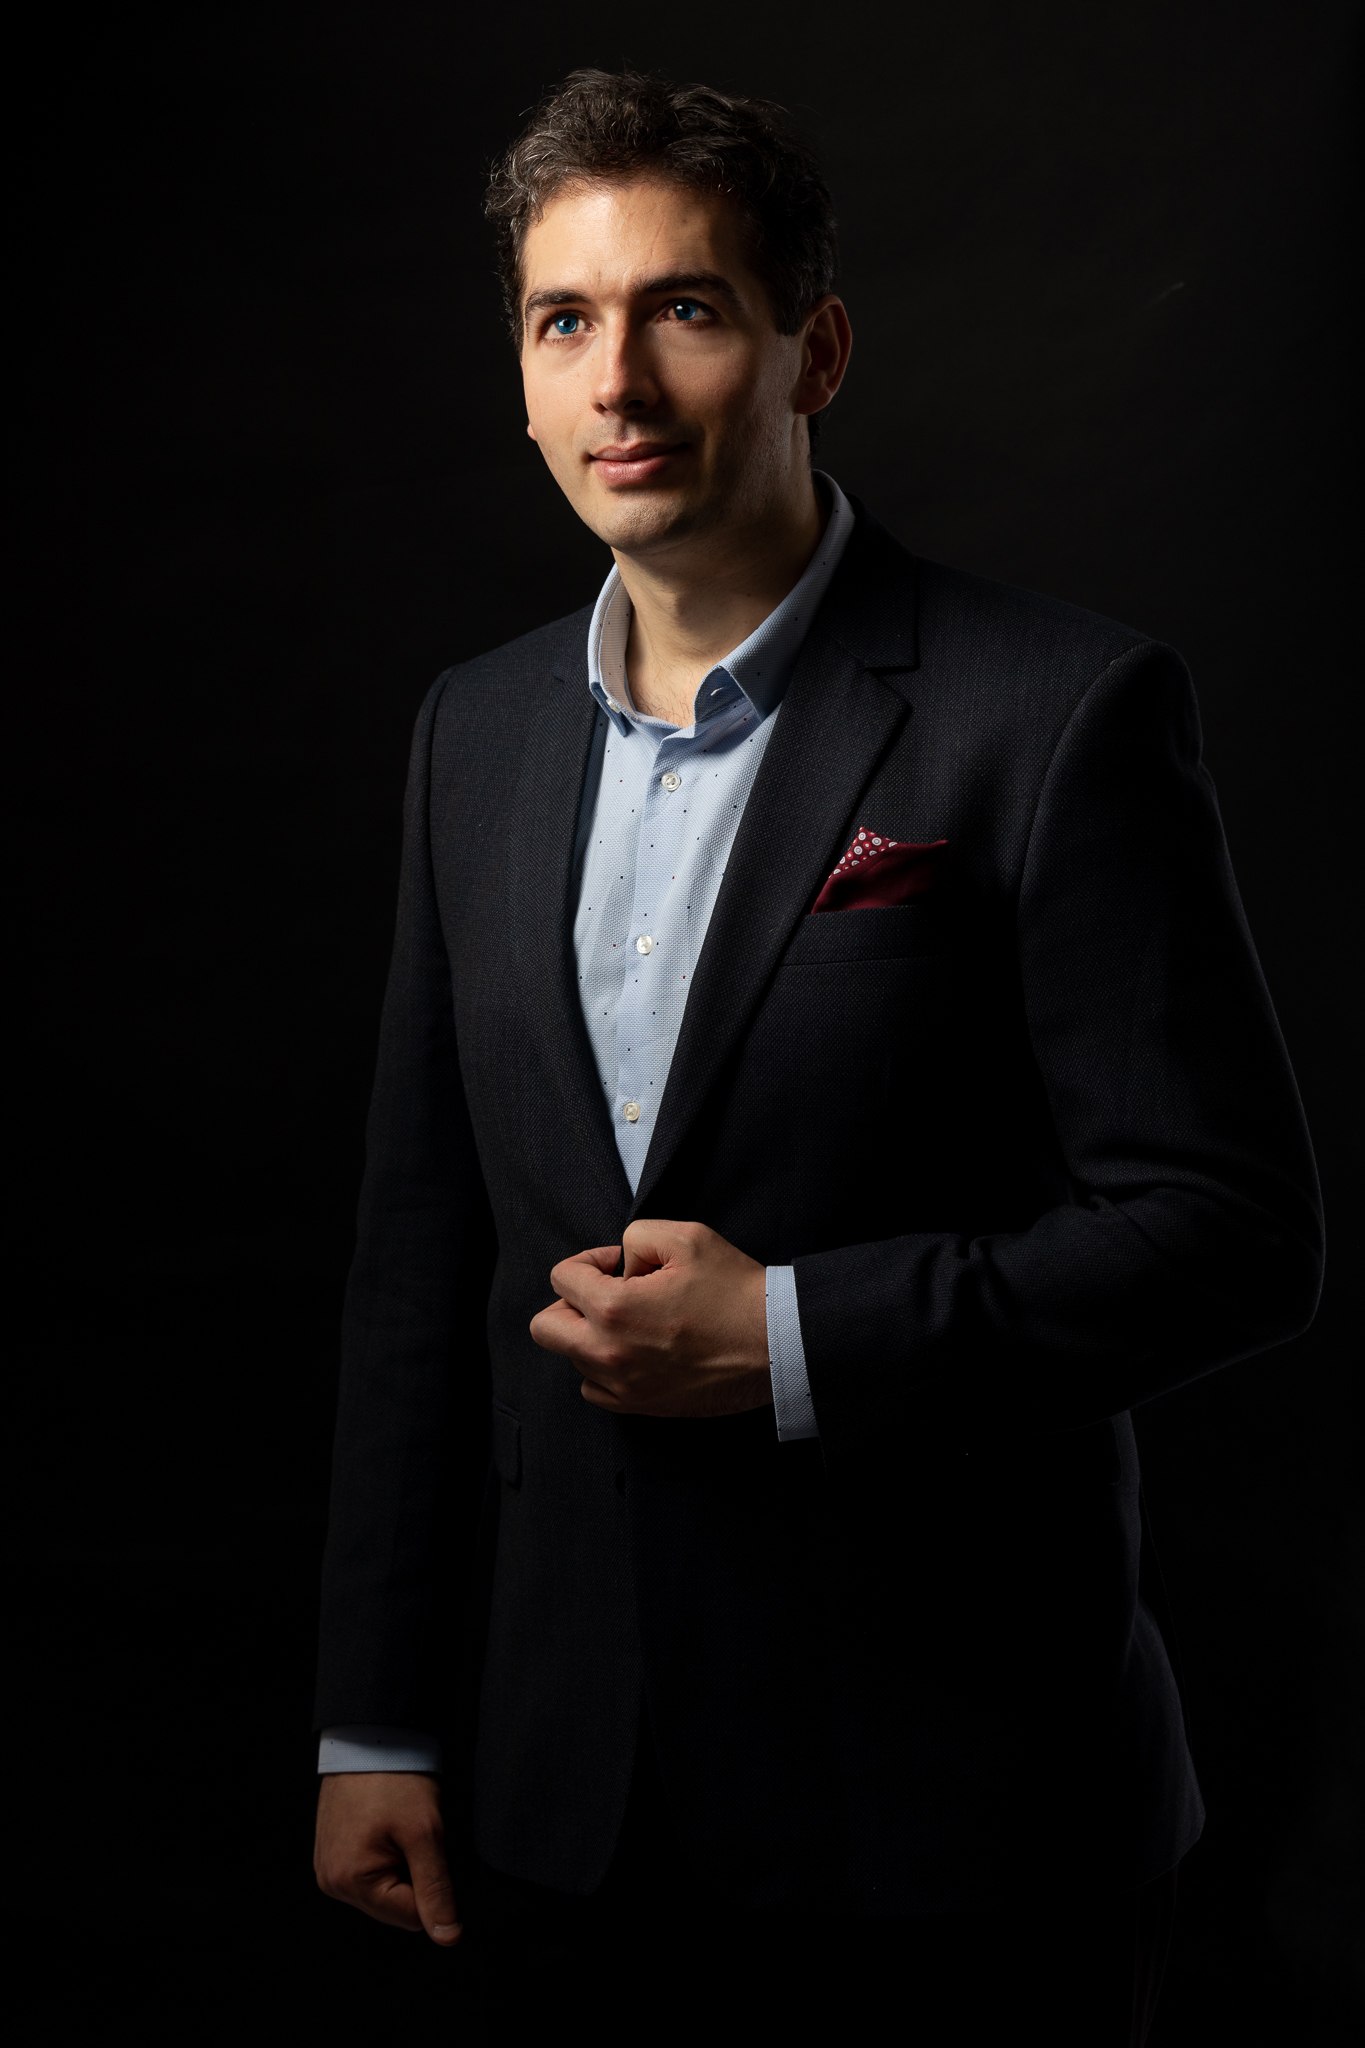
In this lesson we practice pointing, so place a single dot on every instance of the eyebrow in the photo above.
(709, 281)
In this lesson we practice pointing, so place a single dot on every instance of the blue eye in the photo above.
(686, 309)
(566, 323)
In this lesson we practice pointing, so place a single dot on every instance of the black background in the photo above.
(1096, 262)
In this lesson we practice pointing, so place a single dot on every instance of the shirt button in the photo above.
(631, 1112)
(644, 944)
(671, 781)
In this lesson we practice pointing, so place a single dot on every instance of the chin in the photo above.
(644, 518)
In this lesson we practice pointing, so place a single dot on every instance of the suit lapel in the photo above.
(540, 901)
(835, 723)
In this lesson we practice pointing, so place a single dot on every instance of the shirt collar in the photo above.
(759, 668)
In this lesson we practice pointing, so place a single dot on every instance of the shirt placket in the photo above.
(657, 935)
(659, 925)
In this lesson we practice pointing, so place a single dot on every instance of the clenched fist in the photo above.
(682, 1331)
(381, 1846)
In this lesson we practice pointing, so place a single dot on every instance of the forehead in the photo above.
(615, 234)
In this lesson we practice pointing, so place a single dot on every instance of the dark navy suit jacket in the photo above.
(1034, 1148)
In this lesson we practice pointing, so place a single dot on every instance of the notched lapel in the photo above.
(835, 723)
(540, 905)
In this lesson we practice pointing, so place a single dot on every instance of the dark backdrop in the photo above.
(1094, 258)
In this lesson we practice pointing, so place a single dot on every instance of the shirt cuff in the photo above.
(787, 1359)
(368, 1748)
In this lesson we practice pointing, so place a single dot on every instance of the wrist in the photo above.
(754, 1346)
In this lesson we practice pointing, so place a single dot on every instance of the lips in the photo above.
(636, 463)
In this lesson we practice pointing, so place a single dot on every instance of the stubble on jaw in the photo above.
(650, 523)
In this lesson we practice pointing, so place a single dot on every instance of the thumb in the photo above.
(648, 1246)
(606, 1257)
(432, 1892)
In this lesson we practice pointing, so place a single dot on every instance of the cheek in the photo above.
(751, 396)
(719, 380)
(551, 414)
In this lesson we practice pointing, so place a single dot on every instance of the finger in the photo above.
(585, 1284)
(374, 1883)
(649, 1245)
(562, 1329)
(584, 1268)
(602, 1397)
(571, 1336)
(386, 1897)
(432, 1891)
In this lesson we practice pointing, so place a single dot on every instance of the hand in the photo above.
(381, 1846)
(683, 1331)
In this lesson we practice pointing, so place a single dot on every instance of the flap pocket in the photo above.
(901, 933)
(507, 1443)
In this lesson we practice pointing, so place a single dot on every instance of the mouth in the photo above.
(638, 462)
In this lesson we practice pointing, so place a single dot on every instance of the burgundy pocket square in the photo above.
(880, 874)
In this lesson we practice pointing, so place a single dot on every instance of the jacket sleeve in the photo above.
(411, 1442)
(1192, 1235)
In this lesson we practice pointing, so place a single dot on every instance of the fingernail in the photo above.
(450, 1932)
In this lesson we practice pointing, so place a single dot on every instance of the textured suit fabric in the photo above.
(1034, 1149)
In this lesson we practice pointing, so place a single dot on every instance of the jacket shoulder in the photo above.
(472, 727)
(969, 639)
(1013, 668)
(541, 653)
(1010, 630)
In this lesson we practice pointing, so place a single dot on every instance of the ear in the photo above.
(827, 343)
(530, 430)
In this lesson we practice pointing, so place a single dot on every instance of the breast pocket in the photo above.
(908, 932)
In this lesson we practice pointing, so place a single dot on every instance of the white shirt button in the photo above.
(631, 1112)
(671, 781)
(644, 944)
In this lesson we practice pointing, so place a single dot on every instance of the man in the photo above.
(822, 972)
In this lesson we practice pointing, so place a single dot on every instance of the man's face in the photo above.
(657, 386)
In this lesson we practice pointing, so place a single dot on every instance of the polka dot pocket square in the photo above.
(881, 874)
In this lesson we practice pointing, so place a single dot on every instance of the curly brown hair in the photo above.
(604, 124)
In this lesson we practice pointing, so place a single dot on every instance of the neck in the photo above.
(694, 605)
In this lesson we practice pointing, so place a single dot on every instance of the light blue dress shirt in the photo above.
(661, 807)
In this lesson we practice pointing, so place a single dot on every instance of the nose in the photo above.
(624, 381)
